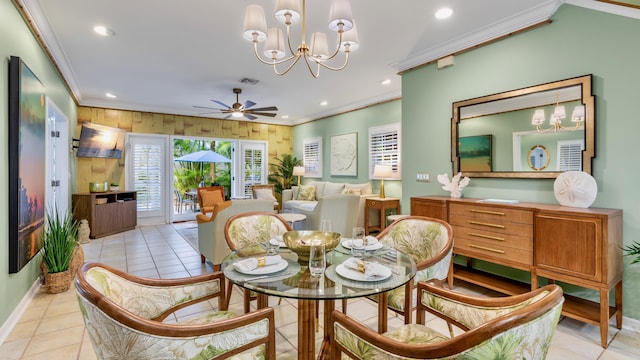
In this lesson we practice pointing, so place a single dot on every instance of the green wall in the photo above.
(572, 45)
(16, 39)
(356, 121)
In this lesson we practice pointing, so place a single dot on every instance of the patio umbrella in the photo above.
(203, 156)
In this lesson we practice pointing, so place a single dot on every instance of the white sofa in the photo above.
(211, 241)
(328, 189)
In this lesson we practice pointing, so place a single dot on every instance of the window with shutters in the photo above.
(147, 175)
(384, 148)
(254, 170)
(312, 157)
(570, 155)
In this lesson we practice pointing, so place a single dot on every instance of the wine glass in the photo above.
(358, 242)
(325, 225)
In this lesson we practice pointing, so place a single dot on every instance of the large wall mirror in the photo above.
(491, 136)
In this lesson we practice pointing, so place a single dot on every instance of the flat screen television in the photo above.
(99, 141)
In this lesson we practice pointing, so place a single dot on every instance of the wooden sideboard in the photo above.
(576, 246)
(116, 212)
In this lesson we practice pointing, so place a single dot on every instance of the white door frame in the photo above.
(57, 158)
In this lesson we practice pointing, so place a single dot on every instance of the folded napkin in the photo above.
(277, 241)
(369, 269)
(250, 264)
(371, 240)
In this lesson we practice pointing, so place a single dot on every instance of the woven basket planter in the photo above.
(55, 283)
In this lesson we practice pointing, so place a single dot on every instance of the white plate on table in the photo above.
(263, 270)
(275, 241)
(377, 245)
(352, 274)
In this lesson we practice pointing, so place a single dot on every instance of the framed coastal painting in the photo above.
(27, 150)
(475, 153)
(344, 155)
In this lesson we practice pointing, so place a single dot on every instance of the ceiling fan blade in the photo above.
(248, 104)
(249, 116)
(268, 108)
(261, 113)
(205, 107)
(221, 103)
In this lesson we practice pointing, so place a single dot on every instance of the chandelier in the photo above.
(555, 120)
(316, 53)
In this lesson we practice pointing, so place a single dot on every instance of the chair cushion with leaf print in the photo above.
(511, 327)
(429, 242)
(124, 317)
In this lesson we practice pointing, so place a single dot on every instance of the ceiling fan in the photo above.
(238, 110)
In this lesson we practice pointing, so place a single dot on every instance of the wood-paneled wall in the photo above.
(112, 170)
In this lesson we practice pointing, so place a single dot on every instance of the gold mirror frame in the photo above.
(587, 98)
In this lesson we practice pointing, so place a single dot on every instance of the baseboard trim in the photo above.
(630, 324)
(15, 316)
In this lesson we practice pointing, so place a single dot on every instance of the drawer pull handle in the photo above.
(487, 236)
(487, 212)
(486, 224)
(486, 248)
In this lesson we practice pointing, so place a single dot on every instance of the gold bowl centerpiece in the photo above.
(299, 241)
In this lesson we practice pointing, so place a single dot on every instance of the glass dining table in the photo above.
(293, 280)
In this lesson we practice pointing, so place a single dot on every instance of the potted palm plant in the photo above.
(633, 250)
(282, 172)
(61, 254)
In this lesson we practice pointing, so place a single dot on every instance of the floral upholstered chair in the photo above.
(124, 315)
(252, 228)
(430, 243)
(512, 327)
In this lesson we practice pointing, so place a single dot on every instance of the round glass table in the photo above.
(294, 281)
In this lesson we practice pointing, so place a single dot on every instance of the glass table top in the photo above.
(295, 281)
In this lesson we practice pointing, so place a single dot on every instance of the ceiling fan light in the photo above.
(236, 114)
(290, 7)
(254, 23)
(350, 37)
(340, 13)
(274, 46)
(319, 48)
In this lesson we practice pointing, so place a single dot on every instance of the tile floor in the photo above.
(160, 251)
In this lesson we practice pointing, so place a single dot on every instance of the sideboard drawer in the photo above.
(498, 226)
(490, 213)
(492, 250)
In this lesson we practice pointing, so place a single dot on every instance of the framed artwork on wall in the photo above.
(344, 155)
(27, 150)
(475, 153)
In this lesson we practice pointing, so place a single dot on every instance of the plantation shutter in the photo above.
(570, 155)
(312, 157)
(147, 176)
(384, 148)
(255, 165)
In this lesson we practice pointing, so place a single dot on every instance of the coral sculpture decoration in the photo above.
(454, 186)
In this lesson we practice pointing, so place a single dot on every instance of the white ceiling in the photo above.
(168, 56)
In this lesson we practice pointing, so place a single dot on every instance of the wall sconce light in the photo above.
(382, 171)
(298, 171)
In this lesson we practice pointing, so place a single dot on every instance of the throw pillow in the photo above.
(264, 194)
(306, 192)
(332, 188)
(211, 198)
(351, 192)
(365, 188)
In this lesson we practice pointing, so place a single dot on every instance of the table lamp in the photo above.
(298, 171)
(382, 171)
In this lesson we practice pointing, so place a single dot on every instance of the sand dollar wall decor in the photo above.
(575, 189)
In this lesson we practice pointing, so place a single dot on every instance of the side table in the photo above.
(293, 218)
(382, 205)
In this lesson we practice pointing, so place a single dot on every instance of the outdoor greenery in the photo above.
(281, 172)
(59, 240)
(189, 175)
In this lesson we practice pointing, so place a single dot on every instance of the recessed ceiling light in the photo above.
(104, 31)
(110, 95)
(443, 13)
(385, 82)
(324, 103)
(285, 116)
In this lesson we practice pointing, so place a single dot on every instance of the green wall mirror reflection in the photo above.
(558, 116)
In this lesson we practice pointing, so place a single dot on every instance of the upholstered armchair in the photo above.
(341, 210)
(250, 229)
(430, 243)
(124, 315)
(512, 327)
(266, 191)
(211, 242)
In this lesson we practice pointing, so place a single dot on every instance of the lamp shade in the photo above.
(350, 37)
(538, 117)
(340, 13)
(287, 7)
(274, 46)
(578, 114)
(298, 171)
(558, 114)
(382, 171)
(319, 48)
(254, 23)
